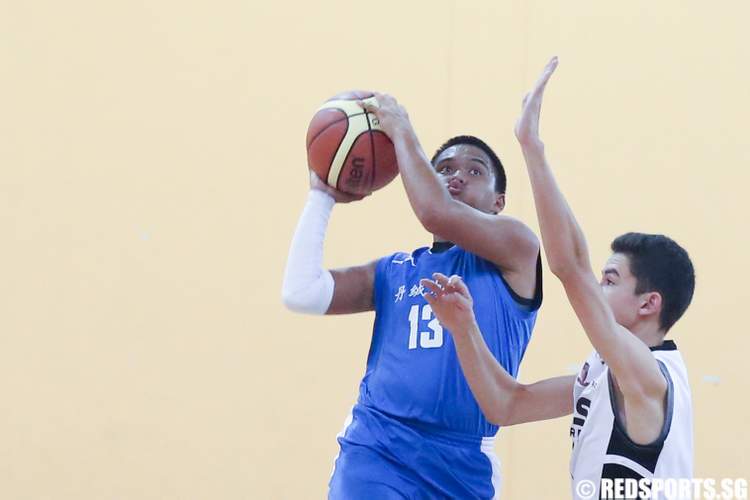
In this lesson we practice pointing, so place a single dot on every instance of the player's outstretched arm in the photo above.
(635, 369)
(505, 241)
(308, 288)
(503, 400)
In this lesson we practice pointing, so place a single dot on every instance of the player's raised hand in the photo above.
(392, 116)
(527, 126)
(340, 197)
(451, 302)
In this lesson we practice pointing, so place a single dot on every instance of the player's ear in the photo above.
(499, 202)
(651, 303)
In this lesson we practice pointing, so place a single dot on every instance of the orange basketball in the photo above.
(347, 148)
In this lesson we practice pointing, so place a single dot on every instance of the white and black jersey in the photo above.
(601, 447)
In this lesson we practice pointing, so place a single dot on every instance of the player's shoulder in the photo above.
(668, 355)
(667, 351)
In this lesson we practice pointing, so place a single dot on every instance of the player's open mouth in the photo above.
(453, 190)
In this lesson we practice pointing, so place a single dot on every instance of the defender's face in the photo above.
(467, 172)
(618, 285)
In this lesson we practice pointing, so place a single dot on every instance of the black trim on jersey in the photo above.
(667, 345)
(534, 303)
(614, 471)
(441, 246)
(620, 443)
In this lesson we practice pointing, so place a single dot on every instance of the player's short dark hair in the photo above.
(659, 264)
(500, 179)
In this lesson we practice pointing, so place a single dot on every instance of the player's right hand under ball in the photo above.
(340, 197)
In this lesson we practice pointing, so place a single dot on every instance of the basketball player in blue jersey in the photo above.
(416, 431)
(631, 400)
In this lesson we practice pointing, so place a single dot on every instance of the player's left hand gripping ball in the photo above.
(392, 117)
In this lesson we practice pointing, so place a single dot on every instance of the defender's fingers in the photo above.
(546, 74)
(431, 285)
(440, 278)
(455, 278)
(456, 283)
(462, 288)
(553, 63)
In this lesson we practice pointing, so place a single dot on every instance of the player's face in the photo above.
(468, 174)
(618, 285)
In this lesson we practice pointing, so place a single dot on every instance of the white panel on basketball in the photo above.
(349, 106)
(357, 124)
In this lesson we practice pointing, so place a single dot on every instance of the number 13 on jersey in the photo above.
(427, 340)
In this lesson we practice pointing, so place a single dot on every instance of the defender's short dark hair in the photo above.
(659, 264)
(500, 180)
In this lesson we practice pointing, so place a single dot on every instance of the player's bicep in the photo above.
(353, 289)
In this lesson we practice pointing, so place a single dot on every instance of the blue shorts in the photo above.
(382, 457)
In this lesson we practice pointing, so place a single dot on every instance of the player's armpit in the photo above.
(353, 289)
(644, 417)
(543, 400)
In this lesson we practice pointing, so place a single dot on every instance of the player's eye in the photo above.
(445, 170)
(475, 171)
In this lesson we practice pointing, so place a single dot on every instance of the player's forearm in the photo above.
(307, 287)
(426, 193)
(503, 400)
(543, 400)
(562, 238)
(492, 387)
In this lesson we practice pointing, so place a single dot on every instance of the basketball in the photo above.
(346, 147)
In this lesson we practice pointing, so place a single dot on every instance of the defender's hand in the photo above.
(393, 117)
(527, 126)
(451, 302)
(339, 196)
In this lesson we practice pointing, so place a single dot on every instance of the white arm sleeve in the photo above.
(308, 288)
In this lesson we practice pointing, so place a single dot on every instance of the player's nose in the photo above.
(458, 176)
(455, 181)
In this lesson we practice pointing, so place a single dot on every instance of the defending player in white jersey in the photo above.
(631, 401)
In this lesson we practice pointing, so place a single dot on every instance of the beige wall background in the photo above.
(153, 169)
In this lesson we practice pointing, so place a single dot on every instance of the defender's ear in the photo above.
(651, 303)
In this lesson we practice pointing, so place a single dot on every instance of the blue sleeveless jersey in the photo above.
(413, 372)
